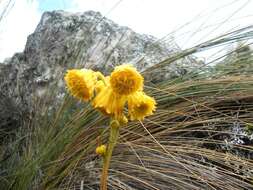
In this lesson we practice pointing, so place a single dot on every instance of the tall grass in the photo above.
(184, 145)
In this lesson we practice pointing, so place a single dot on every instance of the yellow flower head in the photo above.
(101, 150)
(126, 80)
(140, 105)
(81, 83)
(108, 102)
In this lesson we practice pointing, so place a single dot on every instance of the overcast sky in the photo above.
(188, 21)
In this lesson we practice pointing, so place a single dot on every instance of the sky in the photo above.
(188, 22)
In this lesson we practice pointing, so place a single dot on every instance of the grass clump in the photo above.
(189, 142)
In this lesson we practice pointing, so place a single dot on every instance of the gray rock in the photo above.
(65, 40)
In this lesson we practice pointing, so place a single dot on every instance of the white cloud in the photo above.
(16, 26)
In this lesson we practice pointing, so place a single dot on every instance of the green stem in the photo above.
(114, 134)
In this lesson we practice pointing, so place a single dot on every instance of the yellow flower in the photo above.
(108, 102)
(126, 80)
(101, 150)
(140, 105)
(81, 83)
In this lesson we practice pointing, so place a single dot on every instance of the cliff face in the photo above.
(64, 40)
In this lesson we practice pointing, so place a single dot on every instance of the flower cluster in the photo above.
(111, 94)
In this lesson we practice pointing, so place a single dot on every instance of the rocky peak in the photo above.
(90, 40)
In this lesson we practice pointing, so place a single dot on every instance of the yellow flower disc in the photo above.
(126, 80)
(140, 105)
(101, 150)
(81, 83)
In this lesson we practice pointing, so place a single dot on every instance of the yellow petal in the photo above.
(108, 102)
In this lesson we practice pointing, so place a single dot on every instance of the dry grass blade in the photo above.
(191, 142)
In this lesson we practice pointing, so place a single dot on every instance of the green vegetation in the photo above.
(184, 145)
